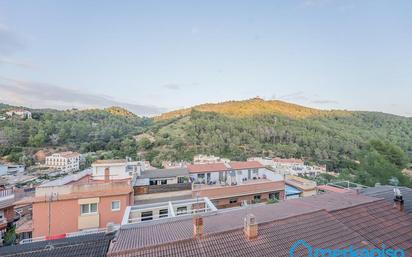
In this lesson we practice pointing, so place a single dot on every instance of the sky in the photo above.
(154, 56)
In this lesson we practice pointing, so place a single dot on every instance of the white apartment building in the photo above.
(20, 113)
(64, 161)
(117, 169)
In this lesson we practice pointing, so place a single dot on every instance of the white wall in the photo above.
(116, 172)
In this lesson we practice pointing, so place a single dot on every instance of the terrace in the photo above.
(167, 210)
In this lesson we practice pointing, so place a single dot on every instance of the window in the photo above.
(233, 200)
(181, 210)
(256, 199)
(181, 180)
(89, 208)
(274, 196)
(116, 205)
(147, 215)
(163, 213)
(163, 182)
(153, 182)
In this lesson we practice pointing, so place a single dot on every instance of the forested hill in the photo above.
(254, 107)
(366, 147)
(109, 131)
(342, 140)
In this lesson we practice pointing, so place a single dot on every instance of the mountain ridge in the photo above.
(253, 107)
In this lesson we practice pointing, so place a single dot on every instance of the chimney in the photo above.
(197, 226)
(106, 175)
(398, 201)
(250, 226)
(110, 228)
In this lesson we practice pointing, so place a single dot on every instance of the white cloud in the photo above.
(43, 95)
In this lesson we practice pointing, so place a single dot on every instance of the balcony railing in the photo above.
(201, 185)
(6, 193)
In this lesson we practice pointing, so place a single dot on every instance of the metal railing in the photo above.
(67, 235)
(6, 192)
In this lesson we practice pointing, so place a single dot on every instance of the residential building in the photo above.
(234, 183)
(15, 168)
(3, 169)
(173, 165)
(327, 221)
(293, 166)
(21, 113)
(117, 169)
(78, 202)
(7, 199)
(203, 159)
(160, 185)
(305, 186)
(64, 161)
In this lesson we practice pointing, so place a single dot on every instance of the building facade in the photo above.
(64, 161)
(7, 198)
(21, 113)
(78, 202)
(116, 169)
(236, 183)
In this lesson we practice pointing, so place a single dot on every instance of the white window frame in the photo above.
(89, 209)
(118, 209)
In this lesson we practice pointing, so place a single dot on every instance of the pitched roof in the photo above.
(245, 165)
(224, 228)
(367, 225)
(209, 167)
(386, 192)
(88, 245)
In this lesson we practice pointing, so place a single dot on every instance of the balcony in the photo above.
(247, 187)
(6, 198)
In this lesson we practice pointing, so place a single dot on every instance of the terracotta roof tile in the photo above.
(209, 167)
(220, 225)
(246, 165)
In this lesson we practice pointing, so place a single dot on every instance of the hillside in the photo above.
(107, 131)
(254, 107)
(339, 139)
(120, 111)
